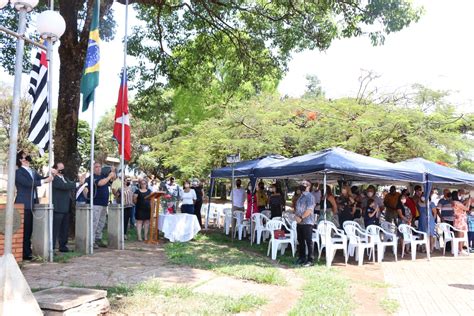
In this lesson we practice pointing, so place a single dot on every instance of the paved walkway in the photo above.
(442, 286)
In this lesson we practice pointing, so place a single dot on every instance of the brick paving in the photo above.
(441, 286)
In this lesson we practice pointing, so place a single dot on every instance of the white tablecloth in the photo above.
(179, 227)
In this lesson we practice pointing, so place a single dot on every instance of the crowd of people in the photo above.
(107, 189)
(366, 205)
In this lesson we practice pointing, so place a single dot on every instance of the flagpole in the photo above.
(50, 147)
(122, 140)
(91, 182)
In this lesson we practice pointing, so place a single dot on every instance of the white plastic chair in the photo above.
(360, 241)
(356, 225)
(317, 241)
(409, 238)
(448, 236)
(241, 225)
(276, 244)
(326, 230)
(259, 221)
(227, 220)
(389, 230)
(267, 213)
(375, 232)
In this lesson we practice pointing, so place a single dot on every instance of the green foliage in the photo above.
(267, 124)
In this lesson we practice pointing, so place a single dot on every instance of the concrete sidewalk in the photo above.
(441, 286)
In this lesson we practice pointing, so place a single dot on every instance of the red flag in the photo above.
(121, 114)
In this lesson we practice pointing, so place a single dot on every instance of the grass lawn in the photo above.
(153, 297)
(324, 292)
(213, 252)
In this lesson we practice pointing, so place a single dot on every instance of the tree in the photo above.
(292, 127)
(278, 26)
(313, 87)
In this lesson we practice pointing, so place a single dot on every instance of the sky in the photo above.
(436, 52)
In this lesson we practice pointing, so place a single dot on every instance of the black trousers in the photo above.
(305, 239)
(127, 215)
(27, 231)
(197, 211)
(60, 229)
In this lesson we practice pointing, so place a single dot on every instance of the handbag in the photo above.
(279, 234)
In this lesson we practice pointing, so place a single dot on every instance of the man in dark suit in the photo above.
(26, 181)
(63, 189)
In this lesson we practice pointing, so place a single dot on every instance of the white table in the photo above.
(178, 227)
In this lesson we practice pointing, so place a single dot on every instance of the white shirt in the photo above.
(188, 197)
(238, 197)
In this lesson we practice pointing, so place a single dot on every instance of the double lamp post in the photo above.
(50, 25)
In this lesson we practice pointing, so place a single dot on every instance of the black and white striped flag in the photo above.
(38, 133)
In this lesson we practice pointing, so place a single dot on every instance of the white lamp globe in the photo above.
(26, 4)
(3, 3)
(50, 24)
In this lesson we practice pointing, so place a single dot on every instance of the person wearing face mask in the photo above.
(188, 199)
(62, 197)
(127, 203)
(304, 216)
(390, 201)
(370, 216)
(405, 216)
(346, 204)
(423, 224)
(460, 217)
(276, 201)
(410, 204)
(331, 208)
(27, 182)
(262, 197)
(295, 198)
(377, 199)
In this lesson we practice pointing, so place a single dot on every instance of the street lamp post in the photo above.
(23, 7)
(51, 26)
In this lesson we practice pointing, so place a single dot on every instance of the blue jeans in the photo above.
(187, 208)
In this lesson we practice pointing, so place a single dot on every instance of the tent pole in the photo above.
(428, 211)
(209, 202)
(325, 197)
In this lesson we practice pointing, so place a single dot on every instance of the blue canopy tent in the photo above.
(243, 169)
(338, 164)
(434, 173)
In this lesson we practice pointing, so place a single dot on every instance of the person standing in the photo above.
(276, 201)
(175, 191)
(237, 196)
(127, 203)
(100, 194)
(460, 218)
(251, 202)
(346, 204)
(27, 181)
(391, 202)
(423, 224)
(317, 198)
(188, 199)
(304, 216)
(63, 193)
(143, 208)
(197, 187)
(262, 197)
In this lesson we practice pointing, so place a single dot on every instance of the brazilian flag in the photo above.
(90, 78)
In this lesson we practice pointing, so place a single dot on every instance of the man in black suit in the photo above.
(26, 181)
(63, 190)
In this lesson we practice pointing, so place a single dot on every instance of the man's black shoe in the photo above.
(308, 264)
(28, 258)
(300, 261)
(64, 250)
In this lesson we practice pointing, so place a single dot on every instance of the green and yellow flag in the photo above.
(90, 78)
